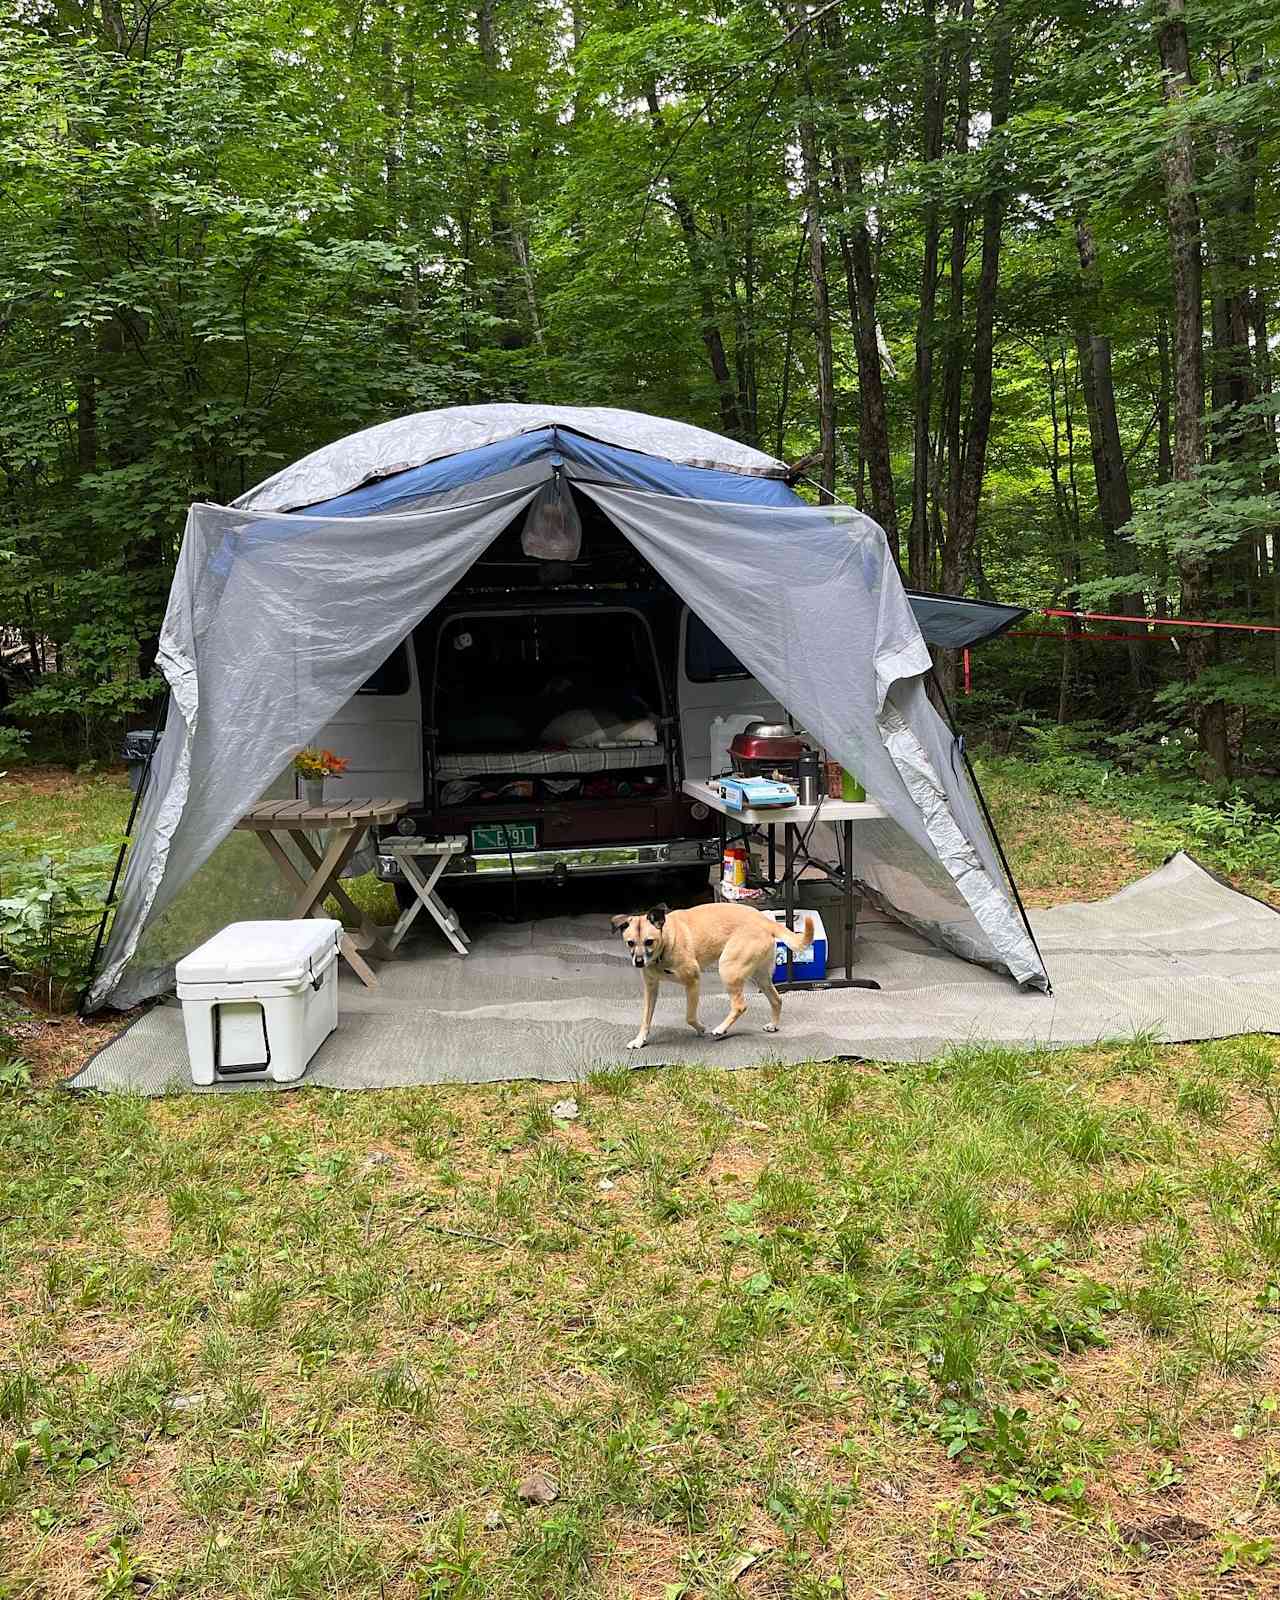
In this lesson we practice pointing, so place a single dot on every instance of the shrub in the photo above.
(50, 905)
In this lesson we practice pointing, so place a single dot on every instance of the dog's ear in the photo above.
(658, 915)
(621, 920)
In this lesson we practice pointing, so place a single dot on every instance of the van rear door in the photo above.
(718, 698)
(379, 731)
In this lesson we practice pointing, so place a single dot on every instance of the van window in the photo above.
(392, 677)
(500, 681)
(706, 659)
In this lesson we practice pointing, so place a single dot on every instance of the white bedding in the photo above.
(537, 763)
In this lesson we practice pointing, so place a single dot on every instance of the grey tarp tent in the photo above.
(277, 615)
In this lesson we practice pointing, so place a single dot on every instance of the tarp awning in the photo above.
(956, 622)
(275, 620)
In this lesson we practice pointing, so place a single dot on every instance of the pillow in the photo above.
(596, 728)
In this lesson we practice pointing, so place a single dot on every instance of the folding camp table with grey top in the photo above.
(843, 814)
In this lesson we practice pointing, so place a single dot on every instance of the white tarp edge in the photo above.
(404, 442)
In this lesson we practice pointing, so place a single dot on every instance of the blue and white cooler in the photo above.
(808, 966)
(259, 999)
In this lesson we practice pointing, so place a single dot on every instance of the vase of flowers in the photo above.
(313, 767)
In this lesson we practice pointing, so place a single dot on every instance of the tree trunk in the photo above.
(860, 285)
(1164, 451)
(797, 272)
(744, 338)
(933, 99)
(858, 257)
(1183, 214)
(411, 298)
(953, 368)
(712, 340)
(512, 289)
(961, 538)
(1271, 476)
(811, 168)
(821, 319)
(1110, 470)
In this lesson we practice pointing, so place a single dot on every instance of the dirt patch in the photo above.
(56, 1046)
(54, 780)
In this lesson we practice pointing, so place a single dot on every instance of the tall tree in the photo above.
(1110, 469)
(957, 554)
(1185, 250)
(933, 95)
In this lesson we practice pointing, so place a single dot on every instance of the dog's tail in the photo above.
(797, 941)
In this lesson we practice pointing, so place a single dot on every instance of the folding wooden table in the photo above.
(275, 821)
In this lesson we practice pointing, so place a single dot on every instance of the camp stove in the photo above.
(767, 750)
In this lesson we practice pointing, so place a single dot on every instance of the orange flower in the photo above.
(312, 763)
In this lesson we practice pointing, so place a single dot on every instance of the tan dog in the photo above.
(679, 944)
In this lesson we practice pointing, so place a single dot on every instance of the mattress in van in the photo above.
(534, 763)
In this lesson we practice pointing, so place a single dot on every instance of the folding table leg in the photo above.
(310, 899)
(349, 841)
(357, 962)
(847, 829)
(422, 896)
(789, 889)
(405, 920)
(323, 880)
(424, 888)
(283, 860)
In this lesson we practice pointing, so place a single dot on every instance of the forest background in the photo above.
(1004, 274)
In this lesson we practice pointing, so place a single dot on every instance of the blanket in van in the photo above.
(538, 763)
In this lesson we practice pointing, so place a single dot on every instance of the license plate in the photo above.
(504, 836)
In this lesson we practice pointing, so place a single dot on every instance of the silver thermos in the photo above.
(810, 778)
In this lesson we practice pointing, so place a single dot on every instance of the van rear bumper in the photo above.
(651, 855)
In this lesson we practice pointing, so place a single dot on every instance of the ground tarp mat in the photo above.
(1178, 955)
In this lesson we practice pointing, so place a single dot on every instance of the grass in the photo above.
(1002, 1323)
(1076, 828)
(49, 805)
(998, 1324)
(1062, 849)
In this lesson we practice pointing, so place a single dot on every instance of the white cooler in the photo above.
(260, 998)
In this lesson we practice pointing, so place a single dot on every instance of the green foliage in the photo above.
(1151, 782)
(1238, 835)
(50, 905)
(233, 233)
(13, 742)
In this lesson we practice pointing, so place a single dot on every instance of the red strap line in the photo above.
(1156, 622)
(1059, 634)
(1112, 638)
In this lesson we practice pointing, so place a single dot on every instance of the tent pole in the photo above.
(120, 854)
(991, 827)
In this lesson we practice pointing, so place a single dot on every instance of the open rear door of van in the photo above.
(718, 698)
(379, 731)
